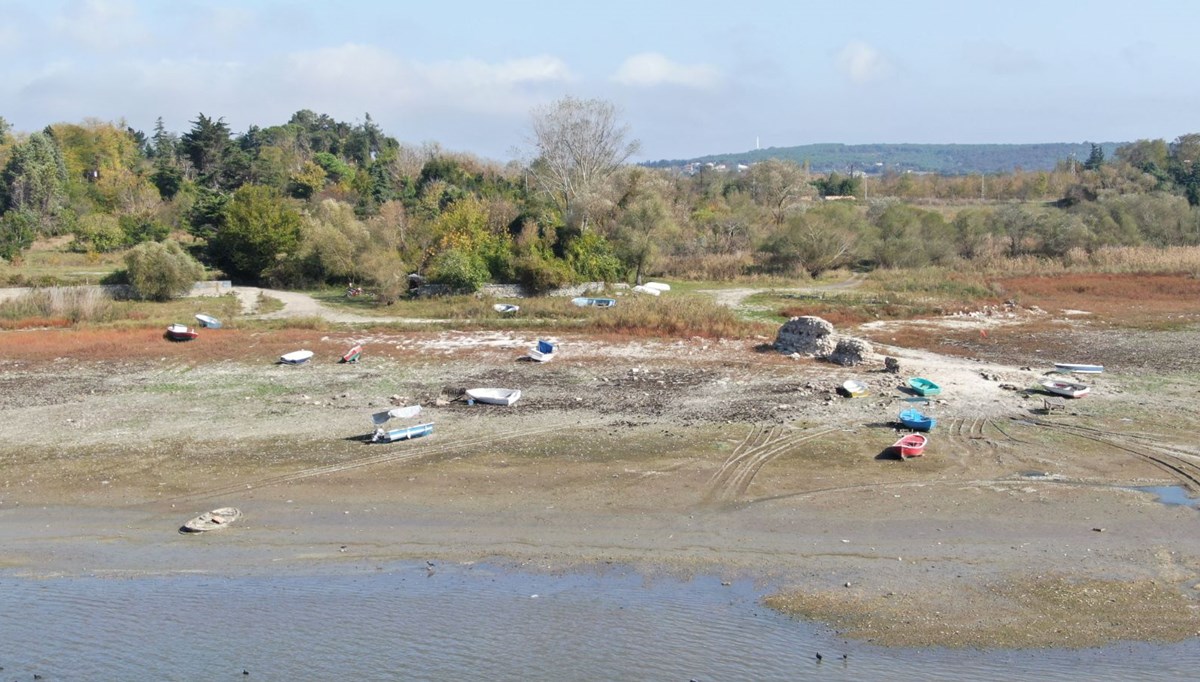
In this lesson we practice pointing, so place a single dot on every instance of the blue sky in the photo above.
(690, 78)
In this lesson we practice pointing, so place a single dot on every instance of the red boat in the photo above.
(353, 354)
(181, 332)
(912, 445)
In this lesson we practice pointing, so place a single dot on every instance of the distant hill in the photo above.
(946, 159)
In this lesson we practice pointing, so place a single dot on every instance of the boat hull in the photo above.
(1072, 368)
(854, 389)
(1068, 389)
(912, 445)
(924, 387)
(917, 421)
(353, 354)
(208, 321)
(406, 433)
(179, 332)
(494, 396)
(213, 520)
(297, 357)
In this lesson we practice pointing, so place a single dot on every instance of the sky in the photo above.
(688, 78)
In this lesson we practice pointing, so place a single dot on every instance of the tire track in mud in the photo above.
(422, 448)
(1177, 461)
(755, 451)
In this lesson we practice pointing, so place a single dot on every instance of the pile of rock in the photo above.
(814, 337)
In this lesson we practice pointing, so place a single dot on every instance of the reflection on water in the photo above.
(460, 622)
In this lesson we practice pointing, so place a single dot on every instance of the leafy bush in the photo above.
(99, 232)
(160, 271)
(17, 229)
(540, 275)
(459, 269)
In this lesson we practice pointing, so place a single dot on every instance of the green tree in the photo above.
(35, 180)
(1095, 159)
(205, 146)
(159, 271)
(259, 229)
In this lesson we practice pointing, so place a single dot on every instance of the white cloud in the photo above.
(862, 63)
(103, 25)
(650, 69)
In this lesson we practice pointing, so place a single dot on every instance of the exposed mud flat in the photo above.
(680, 456)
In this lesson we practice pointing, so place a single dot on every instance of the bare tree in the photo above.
(579, 144)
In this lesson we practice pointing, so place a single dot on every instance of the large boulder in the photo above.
(806, 335)
(851, 351)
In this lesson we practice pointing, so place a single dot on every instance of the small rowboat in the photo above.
(353, 354)
(1069, 389)
(296, 357)
(213, 520)
(917, 420)
(405, 433)
(407, 412)
(912, 445)
(1072, 368)
(647, 290)
(657, 285)
(494, 396)
(924, 387)
(853, 388)
(208, 321)
(181, 332)
(506, 308)
(543, 352)
(584, 301)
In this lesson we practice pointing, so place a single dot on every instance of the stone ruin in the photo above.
(812, 336)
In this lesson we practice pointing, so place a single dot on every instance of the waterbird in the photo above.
(819, 657)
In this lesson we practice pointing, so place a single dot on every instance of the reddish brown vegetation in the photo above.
(1130, 299)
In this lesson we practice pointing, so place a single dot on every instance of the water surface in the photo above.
(465, 622)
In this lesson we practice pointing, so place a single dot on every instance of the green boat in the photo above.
(924, 387)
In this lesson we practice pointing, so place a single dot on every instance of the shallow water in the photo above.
(1170, 494)
(460, 622)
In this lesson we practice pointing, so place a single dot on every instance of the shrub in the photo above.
(160, 271)
(458, 269)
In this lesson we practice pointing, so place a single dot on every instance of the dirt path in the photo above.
(734, 297)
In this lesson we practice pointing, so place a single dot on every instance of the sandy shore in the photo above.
(1017, 529)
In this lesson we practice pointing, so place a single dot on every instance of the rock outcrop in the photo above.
(814, 337)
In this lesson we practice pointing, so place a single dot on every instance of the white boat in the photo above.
(543, 351)
(1072, 368)
(208, 321)
(657, 285)
(217, 518)
(296, 357)
(647, 290)
(853, 388)
(494, 396)
(506, 308)
(405, 433)
(407, 412)
(1069, 389)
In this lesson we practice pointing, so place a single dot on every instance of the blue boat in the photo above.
(584, 301)
(924, 386)
(917, 420)
(406, 433)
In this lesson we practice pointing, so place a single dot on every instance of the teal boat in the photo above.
(917, 420)
(924, 386)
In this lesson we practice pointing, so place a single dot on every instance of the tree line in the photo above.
(316, 201)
